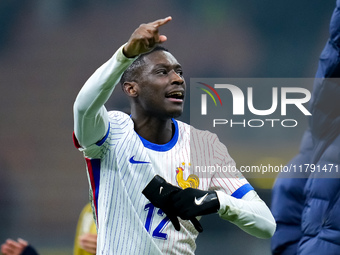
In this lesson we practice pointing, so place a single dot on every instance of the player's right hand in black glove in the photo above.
(159, 192)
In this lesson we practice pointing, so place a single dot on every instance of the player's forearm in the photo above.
(90, 115)
(250, 214)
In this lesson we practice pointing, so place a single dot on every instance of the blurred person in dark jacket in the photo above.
(307, 209)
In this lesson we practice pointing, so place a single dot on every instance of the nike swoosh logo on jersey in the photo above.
(160, 190)
(133, 161)
(200, 200)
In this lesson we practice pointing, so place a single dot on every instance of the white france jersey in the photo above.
(123, 163)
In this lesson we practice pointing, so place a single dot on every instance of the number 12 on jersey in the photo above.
(157, 233)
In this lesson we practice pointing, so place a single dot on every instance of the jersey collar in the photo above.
(162, 147)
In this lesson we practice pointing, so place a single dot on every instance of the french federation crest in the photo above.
(192, 181)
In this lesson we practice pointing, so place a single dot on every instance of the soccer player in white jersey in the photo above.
(145, 200)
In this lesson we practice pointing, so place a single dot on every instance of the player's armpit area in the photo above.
(75, 141)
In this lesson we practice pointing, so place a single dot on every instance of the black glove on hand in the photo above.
(189, 203)
(159, 192)
(29, 250)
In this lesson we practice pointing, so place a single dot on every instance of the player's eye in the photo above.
(161, 71)
(179, 72)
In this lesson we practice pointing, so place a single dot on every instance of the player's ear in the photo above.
(130, 88)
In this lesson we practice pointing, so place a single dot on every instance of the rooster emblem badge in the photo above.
(191, 182)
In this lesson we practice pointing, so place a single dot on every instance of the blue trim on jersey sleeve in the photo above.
(99, 143)
(162, 147)
(96, 175)
(241, 191)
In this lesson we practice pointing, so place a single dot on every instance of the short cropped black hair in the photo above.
(130, 72)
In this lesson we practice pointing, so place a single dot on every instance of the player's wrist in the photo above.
(128, 51)
(127, 54)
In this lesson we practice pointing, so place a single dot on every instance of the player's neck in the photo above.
(153, 129)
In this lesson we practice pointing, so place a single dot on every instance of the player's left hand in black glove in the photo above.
(159, 193)
(189, 203)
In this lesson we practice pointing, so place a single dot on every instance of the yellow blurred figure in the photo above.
(85, 242)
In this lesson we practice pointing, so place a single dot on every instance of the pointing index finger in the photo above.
(161, 22)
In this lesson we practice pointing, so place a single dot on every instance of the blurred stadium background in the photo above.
(48, 48)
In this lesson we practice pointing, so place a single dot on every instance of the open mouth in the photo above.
(175, 95)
